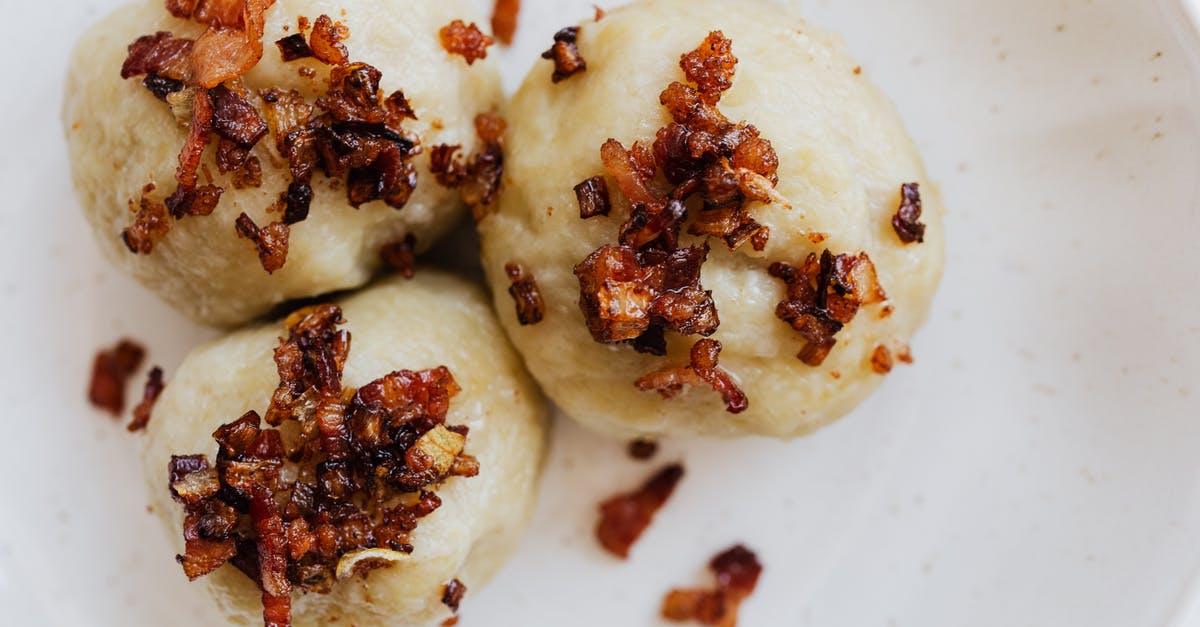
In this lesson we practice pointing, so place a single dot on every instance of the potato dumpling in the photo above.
(122, 137)
(432, 321)
(611, 193)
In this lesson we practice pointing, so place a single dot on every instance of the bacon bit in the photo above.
(669, 382)
(466, 41)
(823, 296)
(293, 47)
(600, 13)
(643, 450)
(477, 178)
(737, 571)
(271, 241)
(401, 255)
(162, 86)
(593, 198)
(624, 517)
(452, 594)
(565, 54)
(326, 39)
(711, 67)
(150, 224)
(881, 360)
(904, 354)
(111, 370)
(531, 309)
(235, 119)
(357, 475)
(504, 20)
(154, 387)
(906, 222)
(160, 54)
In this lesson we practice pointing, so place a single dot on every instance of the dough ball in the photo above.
(431, 321)
(121, 137)
(843, 156)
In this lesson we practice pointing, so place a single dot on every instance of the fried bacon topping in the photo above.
(531, 309)
(593, 198)
(154, 387)
(907, 222)
(465, 40)
(111, 371)
(703, 370)
(565, 54)
(642, 450)
(881, 360)
(737, 571)
(823, 295)
(624, 517)
(401, 255)
(504, 20)
(452, 594)
(337, 472)
(478, 177)
(352, 133)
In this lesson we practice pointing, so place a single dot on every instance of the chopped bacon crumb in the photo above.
(643, 449)
(326, 39)
(465, 40)
(154, 387)
(881, 360)
(565, 54)
(624, 517)
(711, 67)
(906, 222)
(478, 177)
(151, 223)
(271, 241)
(669, 382)
(111, 370)
(452, 594)
(737, 571)
(401, 255)
(504, 20)
(824, 295)
(531, 309)
(904, 354)
(358, 470)
(593, 198)
(294, 47)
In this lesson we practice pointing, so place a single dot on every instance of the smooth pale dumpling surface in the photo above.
(121, 137)
(843, 154)
(432, 321)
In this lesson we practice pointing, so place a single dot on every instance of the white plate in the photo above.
(1038, 466)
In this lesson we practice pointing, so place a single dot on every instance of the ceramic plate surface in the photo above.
(1038, 466)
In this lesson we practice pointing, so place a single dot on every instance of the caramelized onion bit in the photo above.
(737, 571)
(467, 41)
(593, 198)
(565, 54)
(452, 594)
(401, 255)
(504, 20)
(326, 40)
(111, 371)
(624, 517)
(271, 241)
(531, 309)
(154, 387)
(907, 222)
(703, 369)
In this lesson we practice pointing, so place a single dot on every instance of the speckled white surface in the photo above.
(1037, 467)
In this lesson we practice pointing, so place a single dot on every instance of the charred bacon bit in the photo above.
(504, 20)
(326, 41)
(401, 255)
(643, 450)
(160, 54)
(737, 571)
(467, 41)
(824, 295)
(881, 360)
(711, 67)
(452, 594)
(703, 369)
(271, 241)
(111, 371)
(477, 178)
(154, 387)
(293, 47)
(565, 54)
(907, 222)
(235, 119)
(162, 86)
(531, 309)
(358, 473)
(593, 198)
(624, 517)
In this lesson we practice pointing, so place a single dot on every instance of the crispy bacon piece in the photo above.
(293, 47)
(326, 41)
(193, 147)
(531, 309)
(270, 240)
(478, 177)
(504, 20)
(235, 119)
(824, 295)
(111, 370)
(565, 54)
(154, 387)
(452, 594)
(151, 223)
(702, 370)
(711, 67)
(881, 360)
(401, 255)
(642, 450)
(624, 517)
(466, 41)
(358, 471)
(907, 222)
(160, 54)
(737, 571)
(593, 198)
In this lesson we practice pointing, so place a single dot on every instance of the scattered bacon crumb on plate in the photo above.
(111, 371)
(737, 571)
(465, 40)
(625, 517)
